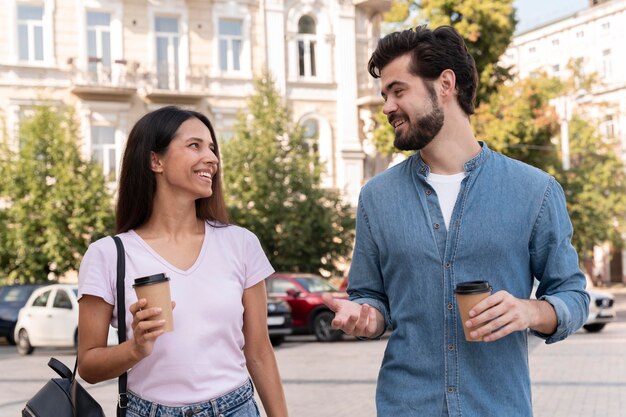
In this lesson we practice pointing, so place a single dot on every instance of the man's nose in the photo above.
(389, 107)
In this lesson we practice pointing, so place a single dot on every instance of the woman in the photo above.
(172, 219)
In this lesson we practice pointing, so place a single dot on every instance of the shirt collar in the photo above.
(423, 169)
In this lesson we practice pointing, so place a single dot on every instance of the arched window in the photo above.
(311, 134)
(306, 46)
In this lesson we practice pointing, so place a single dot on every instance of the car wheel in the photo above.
(594, 328)
(23, 343)
(11, 337)
(277, 340)
(322, 328)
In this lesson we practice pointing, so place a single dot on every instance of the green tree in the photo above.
(519, 121)
(595, 187)
(272, 180)
(54, 203)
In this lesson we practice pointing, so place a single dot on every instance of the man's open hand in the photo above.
(355, 319)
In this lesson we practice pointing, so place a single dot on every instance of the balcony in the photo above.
(166, 85)
(97, 81)
(373, 7)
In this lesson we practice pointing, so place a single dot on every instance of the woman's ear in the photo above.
(155, 163)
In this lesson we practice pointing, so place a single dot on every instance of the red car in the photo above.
(303, 293)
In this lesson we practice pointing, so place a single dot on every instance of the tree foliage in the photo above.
(53, 203)
(595, 187)
(272, 177)
(519, 121)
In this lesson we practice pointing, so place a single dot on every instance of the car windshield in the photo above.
(315, 284)
(13, 294)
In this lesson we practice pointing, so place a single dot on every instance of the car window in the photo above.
(281, 285)
(62, 300)
(13, 294)
(315, 284)
(41, 300)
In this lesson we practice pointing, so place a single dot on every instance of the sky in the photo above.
(531, 13)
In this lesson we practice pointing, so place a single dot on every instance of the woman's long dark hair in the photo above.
(137, 185)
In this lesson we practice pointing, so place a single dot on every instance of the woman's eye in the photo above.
(194, 145)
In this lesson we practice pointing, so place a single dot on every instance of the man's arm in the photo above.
(562, 304)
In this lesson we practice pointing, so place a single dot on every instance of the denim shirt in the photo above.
(509, 224)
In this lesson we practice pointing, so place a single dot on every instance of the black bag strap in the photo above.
(60, 368)
(121, 323)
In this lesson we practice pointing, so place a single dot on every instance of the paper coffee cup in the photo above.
(156, 290)
(468, 294)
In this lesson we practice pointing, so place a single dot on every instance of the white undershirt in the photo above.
(447, 188)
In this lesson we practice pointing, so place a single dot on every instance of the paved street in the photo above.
(585, 376)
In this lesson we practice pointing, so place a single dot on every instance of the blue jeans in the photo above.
(237, 403)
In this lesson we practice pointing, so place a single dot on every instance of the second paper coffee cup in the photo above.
(156, 290)
(468, 294)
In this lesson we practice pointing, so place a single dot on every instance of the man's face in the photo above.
(411, 105)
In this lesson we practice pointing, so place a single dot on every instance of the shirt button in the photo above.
(428, 192)
(450, 306)
(448, 264)
(423, 169)
(436, 225)
(189, 413)
(450, 348)
(450, 390)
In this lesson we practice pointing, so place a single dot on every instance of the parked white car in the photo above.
(50, 319)
(601, 309)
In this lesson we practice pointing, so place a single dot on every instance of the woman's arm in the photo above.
(259, 354)
(98, 362)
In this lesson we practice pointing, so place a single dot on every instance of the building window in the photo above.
(30, 33)
(532, 49)
(306, 46)
(606, 25)
(608, 127)
(103, 150)
(556, 68)
(555, 42)
(167, 52)
(231, 42)
(311, 134)
(607, 66)
(99, 46)
(580, 34)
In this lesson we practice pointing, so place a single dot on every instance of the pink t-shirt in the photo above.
(202, 358)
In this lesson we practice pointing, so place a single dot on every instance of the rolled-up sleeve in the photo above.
(554, 263)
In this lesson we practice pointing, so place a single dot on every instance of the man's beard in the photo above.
(422, 131)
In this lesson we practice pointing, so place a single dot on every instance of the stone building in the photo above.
(115, 60)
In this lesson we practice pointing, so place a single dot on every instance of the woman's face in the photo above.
(189, 164)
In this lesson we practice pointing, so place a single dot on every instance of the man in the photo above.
(454, 212)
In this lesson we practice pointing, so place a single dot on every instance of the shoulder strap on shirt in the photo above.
(121, 323)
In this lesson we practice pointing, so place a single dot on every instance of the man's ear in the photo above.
(155, 163)
(447, 83)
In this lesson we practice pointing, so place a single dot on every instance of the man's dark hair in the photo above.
(432, 52)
